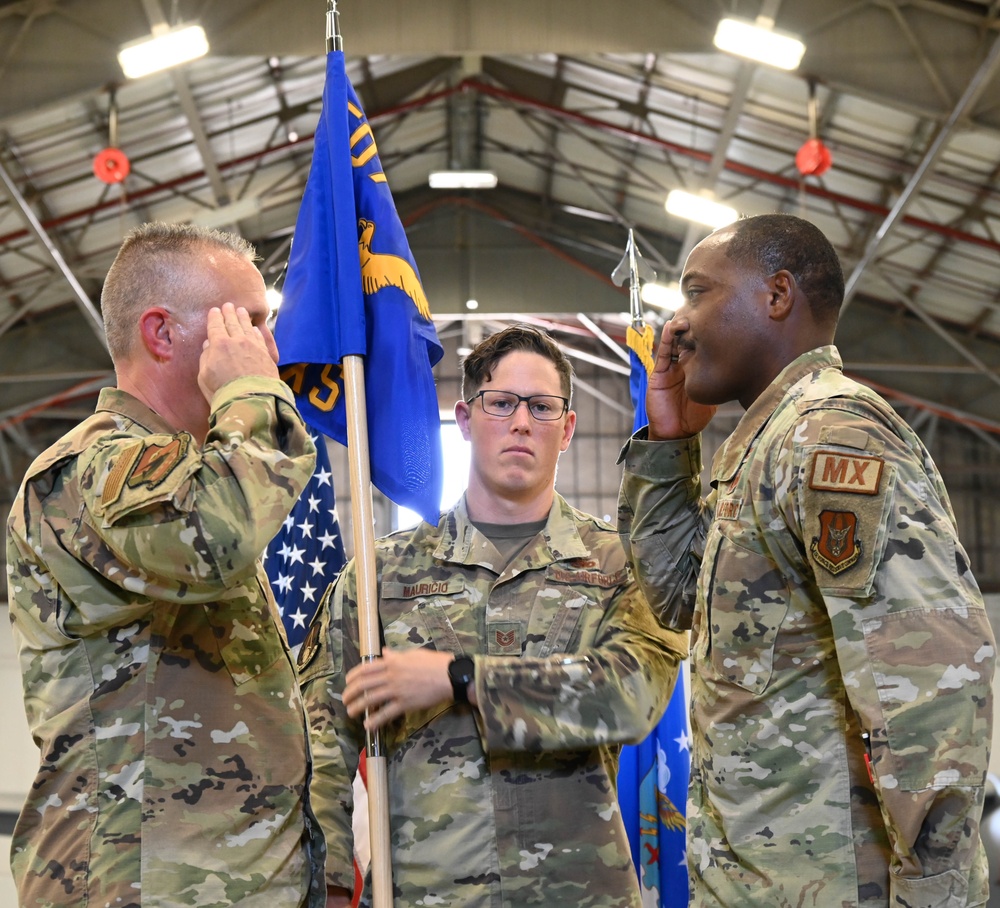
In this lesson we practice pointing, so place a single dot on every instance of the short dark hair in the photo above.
(477, 367)
(776, 242)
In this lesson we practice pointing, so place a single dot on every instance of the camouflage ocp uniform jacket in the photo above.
(513, 803)
(834, 612)
(158, 687)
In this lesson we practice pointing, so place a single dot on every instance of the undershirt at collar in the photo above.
(509, 538)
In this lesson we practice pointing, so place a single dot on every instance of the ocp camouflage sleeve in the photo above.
(616, 685)
(329, 650)
(662, 522)
(229, 496)
(912, 637)
(174, 757)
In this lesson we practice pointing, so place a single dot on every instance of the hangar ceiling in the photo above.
(589, 112)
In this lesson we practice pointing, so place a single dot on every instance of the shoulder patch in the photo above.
(837, 547)
(115, 482)
(850, 437)
(158, 461)
(834, 471)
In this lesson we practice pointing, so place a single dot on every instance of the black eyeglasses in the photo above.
(503, 403)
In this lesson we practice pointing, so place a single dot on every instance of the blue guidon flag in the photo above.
(352, 288)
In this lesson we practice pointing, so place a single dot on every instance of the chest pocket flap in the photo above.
(415, 611)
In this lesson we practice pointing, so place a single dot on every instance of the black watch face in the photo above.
(461, 672)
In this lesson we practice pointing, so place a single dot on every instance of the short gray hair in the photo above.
(152, 267)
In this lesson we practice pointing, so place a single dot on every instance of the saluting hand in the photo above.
(671, 413)
(234, 347)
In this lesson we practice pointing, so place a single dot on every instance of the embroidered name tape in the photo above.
(728, 508)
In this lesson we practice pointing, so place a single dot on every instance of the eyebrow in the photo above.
(693, 276)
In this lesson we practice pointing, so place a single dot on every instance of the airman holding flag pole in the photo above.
(518, 658)
(356, 327)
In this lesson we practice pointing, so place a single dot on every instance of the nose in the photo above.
(679, 324)
(269, 341)
(521, 419)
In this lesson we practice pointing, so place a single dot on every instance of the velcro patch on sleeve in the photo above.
(118, 473)
(158, 462)
(834, 471)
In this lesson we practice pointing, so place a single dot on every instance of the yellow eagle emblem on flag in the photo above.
(381, 269)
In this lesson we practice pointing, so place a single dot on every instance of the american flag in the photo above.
(308, 551)
(301, 561)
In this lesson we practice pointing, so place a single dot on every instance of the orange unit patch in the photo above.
(837, 547)
(158, 462)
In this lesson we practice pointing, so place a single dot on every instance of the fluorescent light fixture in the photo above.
(163, 49)
(700, 209)
(667, 297)
(760, 43)
(462, 179)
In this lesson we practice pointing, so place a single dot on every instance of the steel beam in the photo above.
(963, 108)
(54, 256)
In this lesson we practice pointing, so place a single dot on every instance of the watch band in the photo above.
(461, 673)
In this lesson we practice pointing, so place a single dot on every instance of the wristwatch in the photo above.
(461, 673)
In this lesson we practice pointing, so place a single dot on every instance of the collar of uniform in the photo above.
(461, 542)
(114, 400)
(111, 401)
(790, 382)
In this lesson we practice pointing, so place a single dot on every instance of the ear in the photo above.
(462, 415)
(784, 290)
(568, 429)
(154, 329)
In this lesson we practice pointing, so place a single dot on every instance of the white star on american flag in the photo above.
(307, 553)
